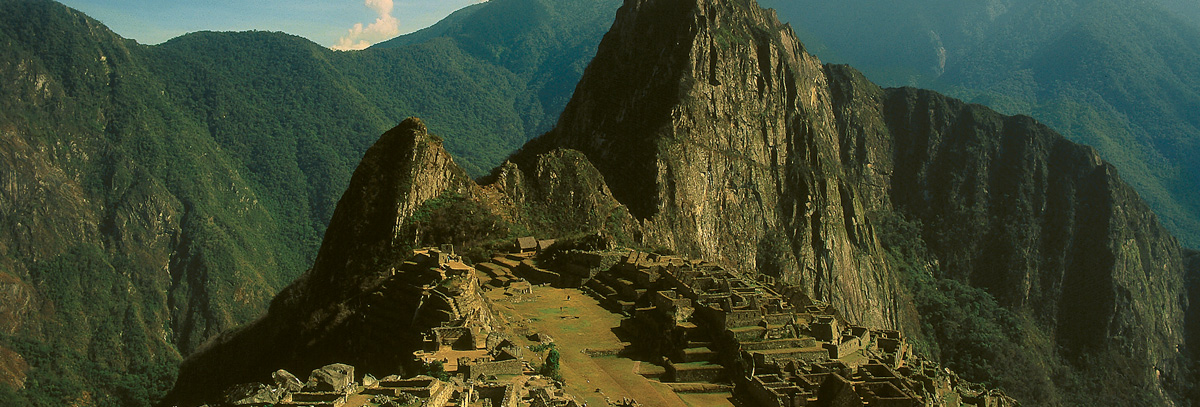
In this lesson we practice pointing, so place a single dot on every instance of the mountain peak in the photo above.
(663, 57)
(711, 123)
(405, 168)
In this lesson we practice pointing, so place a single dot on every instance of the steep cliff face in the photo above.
(711, 123)
(107, 232)
(1044, 224)
(178, 187)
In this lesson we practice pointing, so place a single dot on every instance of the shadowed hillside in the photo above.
(153, 196)
(1116, 75)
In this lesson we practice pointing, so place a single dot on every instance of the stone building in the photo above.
(710, 324)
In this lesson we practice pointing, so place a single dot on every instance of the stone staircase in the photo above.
(500, 270)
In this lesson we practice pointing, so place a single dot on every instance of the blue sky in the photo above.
(327, 22)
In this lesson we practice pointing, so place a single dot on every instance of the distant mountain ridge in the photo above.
(154, 196)
(1117, 75)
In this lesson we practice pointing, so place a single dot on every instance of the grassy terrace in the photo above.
(581, 323)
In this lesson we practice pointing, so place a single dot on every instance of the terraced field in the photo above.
(587, 338)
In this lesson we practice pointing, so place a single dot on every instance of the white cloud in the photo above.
(360, 37)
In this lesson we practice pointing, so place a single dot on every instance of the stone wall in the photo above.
(537, 275)
(478, 368)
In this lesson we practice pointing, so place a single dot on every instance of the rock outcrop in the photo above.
(251, 394)
(405, 168)
(1192, 260)
(317, 319)
(358, 303)
(713, 125)
(536, 195)
(337, 377)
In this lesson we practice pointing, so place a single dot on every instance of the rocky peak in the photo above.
(325, 314)
(406, 167)
(713, 125)
(666, 63)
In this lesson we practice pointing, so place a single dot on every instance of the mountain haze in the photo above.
(1116, 75)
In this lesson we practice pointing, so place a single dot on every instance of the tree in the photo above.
(552, 368)
(437, 370)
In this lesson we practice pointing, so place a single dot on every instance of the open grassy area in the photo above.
(577, 323)
(708, 399)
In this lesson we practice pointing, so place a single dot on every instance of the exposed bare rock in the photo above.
(251, 394)
(535, 196)
(405, 168)
(337, 377)
(713, 125)
(16, 302)
(287, 381)
(13, 369)
(323, 317)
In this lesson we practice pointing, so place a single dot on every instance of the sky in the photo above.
(339, 24)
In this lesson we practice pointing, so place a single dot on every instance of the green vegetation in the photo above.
(552, 368)
(435, 369)
(65, 376)
(542, 347)
(460, 221)
(1116, 75)
(965, 329)
(186, 183)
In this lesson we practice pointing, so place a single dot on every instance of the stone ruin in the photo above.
(706, 325)
(326, 386)
(709, 324)
(459, 334)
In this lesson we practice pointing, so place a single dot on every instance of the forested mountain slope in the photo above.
(154, 196)
(1116, 75)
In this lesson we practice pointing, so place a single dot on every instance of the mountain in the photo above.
(1192, 260)
(154, 196)
(703, 127)
(544, 44)
(1182, 8)
(1118, 76)
(333, 311)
